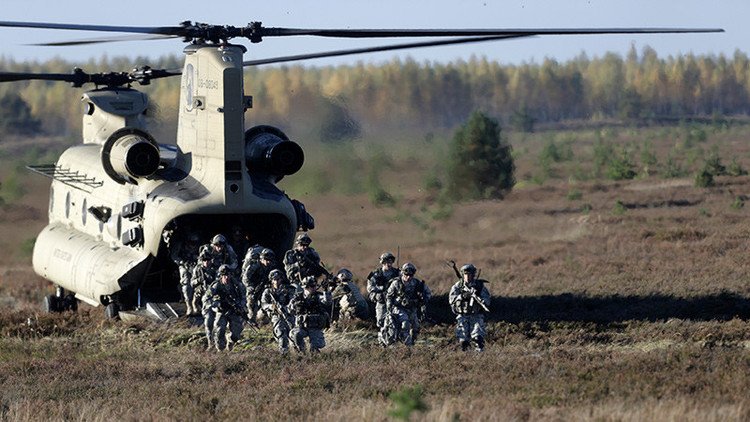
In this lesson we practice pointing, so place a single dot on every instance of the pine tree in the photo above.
(481, 165)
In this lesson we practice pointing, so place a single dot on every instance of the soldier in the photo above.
(302, 261)
(221, 253)
(377, 285)
(255, 279)
(185, 255)
(239, 241)
(347, 299)
(252, 257)
(203, 276)
(227, 297)
(469, 300)
(310, 315)
(274, 302)
(405, 297)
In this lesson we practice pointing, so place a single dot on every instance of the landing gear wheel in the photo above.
(51, 304)
(112, 311)
(70, 303)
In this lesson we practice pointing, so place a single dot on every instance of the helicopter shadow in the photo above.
(568, 307)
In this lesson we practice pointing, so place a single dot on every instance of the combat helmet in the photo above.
(345, 275)
(409, 269)
(469, 269)
(267, 254)
(387, 257)
(303, 239)
(205, 255)
(275, 274)
(224, 270)
(219, 239)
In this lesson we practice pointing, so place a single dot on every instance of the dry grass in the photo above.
(637, 314)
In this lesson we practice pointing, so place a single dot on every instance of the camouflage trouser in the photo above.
(380, 311)
(281, 332)
(187, 288)
(234, 322)
(406, 322)
(317, 340)
(209, 316)
(198, 292)
(470, 327)
(388, 333)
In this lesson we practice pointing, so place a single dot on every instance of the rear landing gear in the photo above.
(112, 311)
(60, 302)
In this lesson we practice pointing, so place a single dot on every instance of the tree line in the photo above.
(337, 102)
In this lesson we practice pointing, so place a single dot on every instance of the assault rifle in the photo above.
(278, 309)
(230, 305)
(471, 292)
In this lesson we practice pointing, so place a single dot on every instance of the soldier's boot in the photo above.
(479, 344)
(465, 345)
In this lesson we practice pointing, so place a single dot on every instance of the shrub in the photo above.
(713, 164)
(704, 179)
(481, 163)
(620, 167)
(16, 117)
(407, 401)
(735, 169)
(619, 208)
(574, 195)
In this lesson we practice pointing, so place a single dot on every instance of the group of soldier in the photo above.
(228, 293)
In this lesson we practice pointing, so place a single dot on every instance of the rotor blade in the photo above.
(378, 33)
(337, 53)
(13, 76)
(164, 30)
(106, 40)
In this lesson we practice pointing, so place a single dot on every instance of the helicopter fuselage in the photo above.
(120, 201)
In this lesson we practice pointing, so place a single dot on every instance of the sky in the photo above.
(729, 15)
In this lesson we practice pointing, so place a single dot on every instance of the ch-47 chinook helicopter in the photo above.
(113, 196)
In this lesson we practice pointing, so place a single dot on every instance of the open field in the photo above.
(629, 300)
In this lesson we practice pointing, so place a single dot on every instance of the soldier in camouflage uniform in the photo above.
(185, 255)
(227, 298)
(222, 253)
(377, 285)
(310, 309)
(203, 276)
(274, 302)
(468, 298)
(302, 261)
(405, 297)
(239, 241)
(252, 257)
(256, 280)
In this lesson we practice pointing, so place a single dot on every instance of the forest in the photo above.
(336, 103)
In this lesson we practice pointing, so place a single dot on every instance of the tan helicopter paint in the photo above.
(80, 254)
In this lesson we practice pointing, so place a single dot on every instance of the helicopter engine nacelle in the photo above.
(130, 154)
(269, 151)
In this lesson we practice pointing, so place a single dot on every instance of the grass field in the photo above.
(628, 300)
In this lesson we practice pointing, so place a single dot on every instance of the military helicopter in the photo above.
(113, 197)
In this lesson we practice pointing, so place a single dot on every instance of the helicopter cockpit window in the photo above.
(67, 205)
(84, 212)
